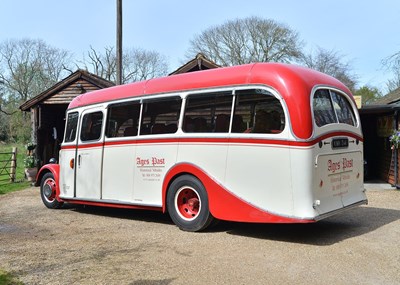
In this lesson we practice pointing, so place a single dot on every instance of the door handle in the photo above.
(79, 160)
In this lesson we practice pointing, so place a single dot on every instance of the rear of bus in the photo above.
(335, 153)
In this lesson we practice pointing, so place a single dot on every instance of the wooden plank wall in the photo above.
(66, 95)
(386, 167)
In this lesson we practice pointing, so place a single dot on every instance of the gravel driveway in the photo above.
(89, 245)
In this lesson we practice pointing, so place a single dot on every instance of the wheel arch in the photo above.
(222, 201)
(175, 172)
(50, 168)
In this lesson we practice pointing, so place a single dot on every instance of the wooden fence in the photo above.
(8, 166)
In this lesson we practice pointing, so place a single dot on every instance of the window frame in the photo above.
(212, 115)
(344, 96)
(122, 104)
(159, 99)
(271, 92)
(82, 126)
(76, 127)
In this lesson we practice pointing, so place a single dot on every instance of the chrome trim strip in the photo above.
(107, 201)
(328, 214)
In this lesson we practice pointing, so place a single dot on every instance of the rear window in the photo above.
(332, 107)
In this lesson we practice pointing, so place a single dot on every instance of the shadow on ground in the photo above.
(129, 214)
(352, 223)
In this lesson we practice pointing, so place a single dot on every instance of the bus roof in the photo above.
(294, 84)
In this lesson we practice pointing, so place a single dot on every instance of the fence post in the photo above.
(13, 168)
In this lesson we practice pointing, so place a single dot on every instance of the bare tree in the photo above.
(392, 63)
(102, 64)
(247, 40)
(393, 83)
(30, 67)
(331, 62)
(27, 67)
(137, 64)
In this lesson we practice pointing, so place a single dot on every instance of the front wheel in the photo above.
(187, 204)
(48, 192)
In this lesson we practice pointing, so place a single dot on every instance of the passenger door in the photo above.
(89, 155)
(68, 156)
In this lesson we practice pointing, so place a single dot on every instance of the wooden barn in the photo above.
(48, 108)
(200, 62)
(379, 120)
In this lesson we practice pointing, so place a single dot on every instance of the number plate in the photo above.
(340, 143)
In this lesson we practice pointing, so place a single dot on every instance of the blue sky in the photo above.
(364, 32)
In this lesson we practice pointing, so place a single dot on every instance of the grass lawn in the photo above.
(20, 181)
(8, 279)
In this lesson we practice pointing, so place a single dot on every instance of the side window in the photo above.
(71, 128)
(91, 126)
(257, 111)
(123, 120)
(208, 113)
(331, 107)
(160, 116)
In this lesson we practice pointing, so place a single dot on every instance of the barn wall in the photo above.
(66, 95)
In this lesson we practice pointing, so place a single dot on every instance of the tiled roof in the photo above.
(390, 98)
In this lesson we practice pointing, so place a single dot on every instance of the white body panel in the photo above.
(332, 179)
(260, 175)
(151, 163)
(67, 174)
(211, 157)
(119, 172)
(88, 173)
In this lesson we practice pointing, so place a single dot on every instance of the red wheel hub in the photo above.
(188, 203)
(49, 190)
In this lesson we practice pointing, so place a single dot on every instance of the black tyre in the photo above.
(48, 192)
(187, 204)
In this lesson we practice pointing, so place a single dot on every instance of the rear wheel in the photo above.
(187, 203)
(48, 192)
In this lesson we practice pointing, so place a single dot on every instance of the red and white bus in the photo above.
(259, 143)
